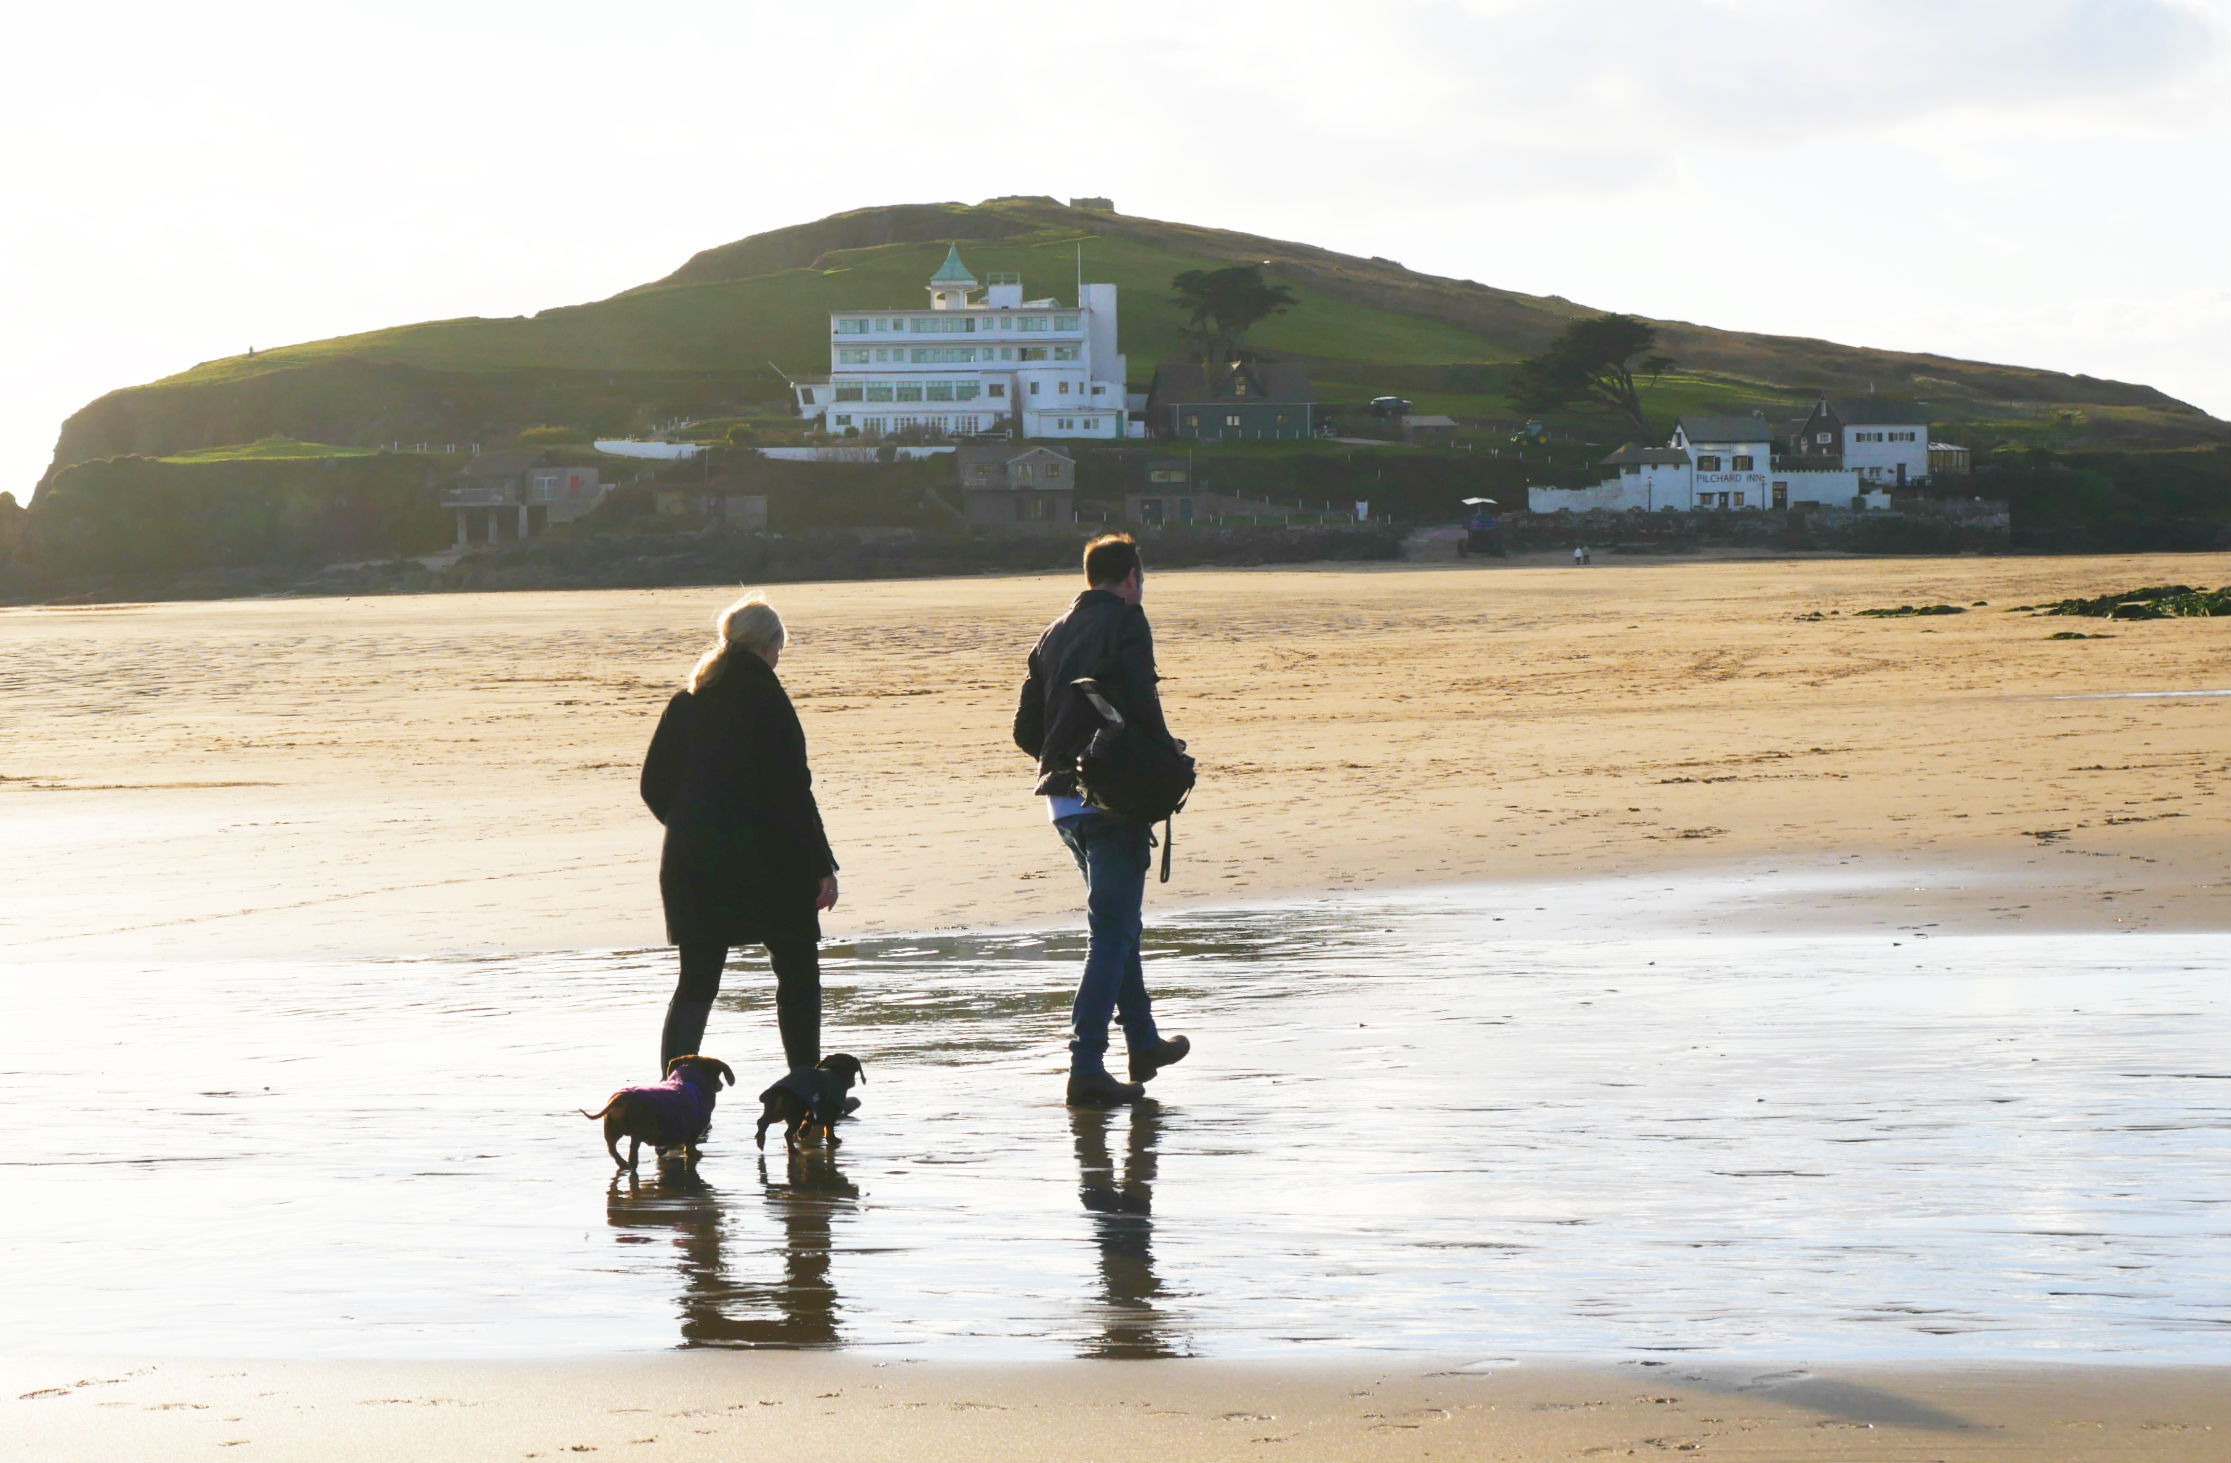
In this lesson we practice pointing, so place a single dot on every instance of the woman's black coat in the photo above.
(745, 853)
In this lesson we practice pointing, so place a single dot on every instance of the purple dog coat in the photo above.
(680, 1110)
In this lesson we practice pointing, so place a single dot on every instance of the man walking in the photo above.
(1104, 636)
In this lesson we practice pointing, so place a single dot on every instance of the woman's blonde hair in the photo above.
(749, 624)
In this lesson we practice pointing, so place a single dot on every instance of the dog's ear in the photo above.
(674, 1062)
(722, 1068)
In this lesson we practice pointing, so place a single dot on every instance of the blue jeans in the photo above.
(1114, 858)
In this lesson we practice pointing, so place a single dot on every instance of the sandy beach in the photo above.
(791, 1405)
(210, 791)
(454, 773)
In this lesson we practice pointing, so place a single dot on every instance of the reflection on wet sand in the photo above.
(1417, 1132)
(720, 1309)
(1122, 1210)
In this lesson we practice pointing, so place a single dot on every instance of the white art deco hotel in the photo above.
(966, 365)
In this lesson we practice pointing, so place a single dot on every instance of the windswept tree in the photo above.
(1593, 362)
(1223, 304)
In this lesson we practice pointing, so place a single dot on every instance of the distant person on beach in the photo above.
(746, 861)
(1103, 635)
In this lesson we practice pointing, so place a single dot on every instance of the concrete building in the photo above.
(722, 503)
(1243, 400)
(1728, 457)
(1429, 431)
(515, 495)
(1712, 464)
(1178, 504)
(1886, 442)
(965, 365)
(1007, 486)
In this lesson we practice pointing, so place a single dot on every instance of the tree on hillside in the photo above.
(1592, 361)
(1225, 303)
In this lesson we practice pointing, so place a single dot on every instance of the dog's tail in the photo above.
(600, 1112)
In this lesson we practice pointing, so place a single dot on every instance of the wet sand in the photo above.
(769, 1404)
(216, 795)
(380, 776)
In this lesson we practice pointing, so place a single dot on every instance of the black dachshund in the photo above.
(805, 1106)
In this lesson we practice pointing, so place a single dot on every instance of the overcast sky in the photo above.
(2035, 181)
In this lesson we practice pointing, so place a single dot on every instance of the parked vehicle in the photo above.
(1389, 406)
(1483, 533)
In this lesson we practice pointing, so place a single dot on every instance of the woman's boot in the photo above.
(685, 1028)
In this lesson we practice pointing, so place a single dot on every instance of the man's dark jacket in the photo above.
(1107, 640)
(745, 852)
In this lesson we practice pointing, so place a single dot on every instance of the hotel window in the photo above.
(909, 393)
(1065, 322)
(842, 419)
(852, 327)
(1708, 464)
(997, 391)
(1006, 352)
(966, 391)
(1738, 500)
(940, 355)
(1022, 472)
(1031, 322)
(1064, 388)
(1231, 419)
(1098, 389)
(879, 393)
(1742, 463)
(1065, 352)
(855, 357)
(1282, 419)
(1239, 386)
(942, 325)
(937, 391)
(848, 393)
(1029, 353)
(1192, 419)
(1033, 388)
(1821, 438)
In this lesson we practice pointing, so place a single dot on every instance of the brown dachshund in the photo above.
(676, 1113)
(800, 1116)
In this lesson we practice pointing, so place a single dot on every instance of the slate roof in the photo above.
(999, 458)
(1634, 456)
(1727, 429)
(1281, 381)
(1881, 411)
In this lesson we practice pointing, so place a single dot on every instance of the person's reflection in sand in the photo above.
(1122, 1210)
(797, 1310)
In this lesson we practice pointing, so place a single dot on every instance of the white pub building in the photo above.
(967, 365)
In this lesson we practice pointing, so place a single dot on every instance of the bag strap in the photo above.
(1169, 841)
(1089, 688)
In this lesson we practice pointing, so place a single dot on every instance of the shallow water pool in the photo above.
(1406, 1125)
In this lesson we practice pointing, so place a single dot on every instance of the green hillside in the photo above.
(699, 344)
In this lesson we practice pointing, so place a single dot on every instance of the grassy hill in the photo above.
(699, 344)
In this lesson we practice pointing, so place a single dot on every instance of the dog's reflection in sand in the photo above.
(797, 1309)
(1121, 1206)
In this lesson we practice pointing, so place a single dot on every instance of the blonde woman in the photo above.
(745, 861)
